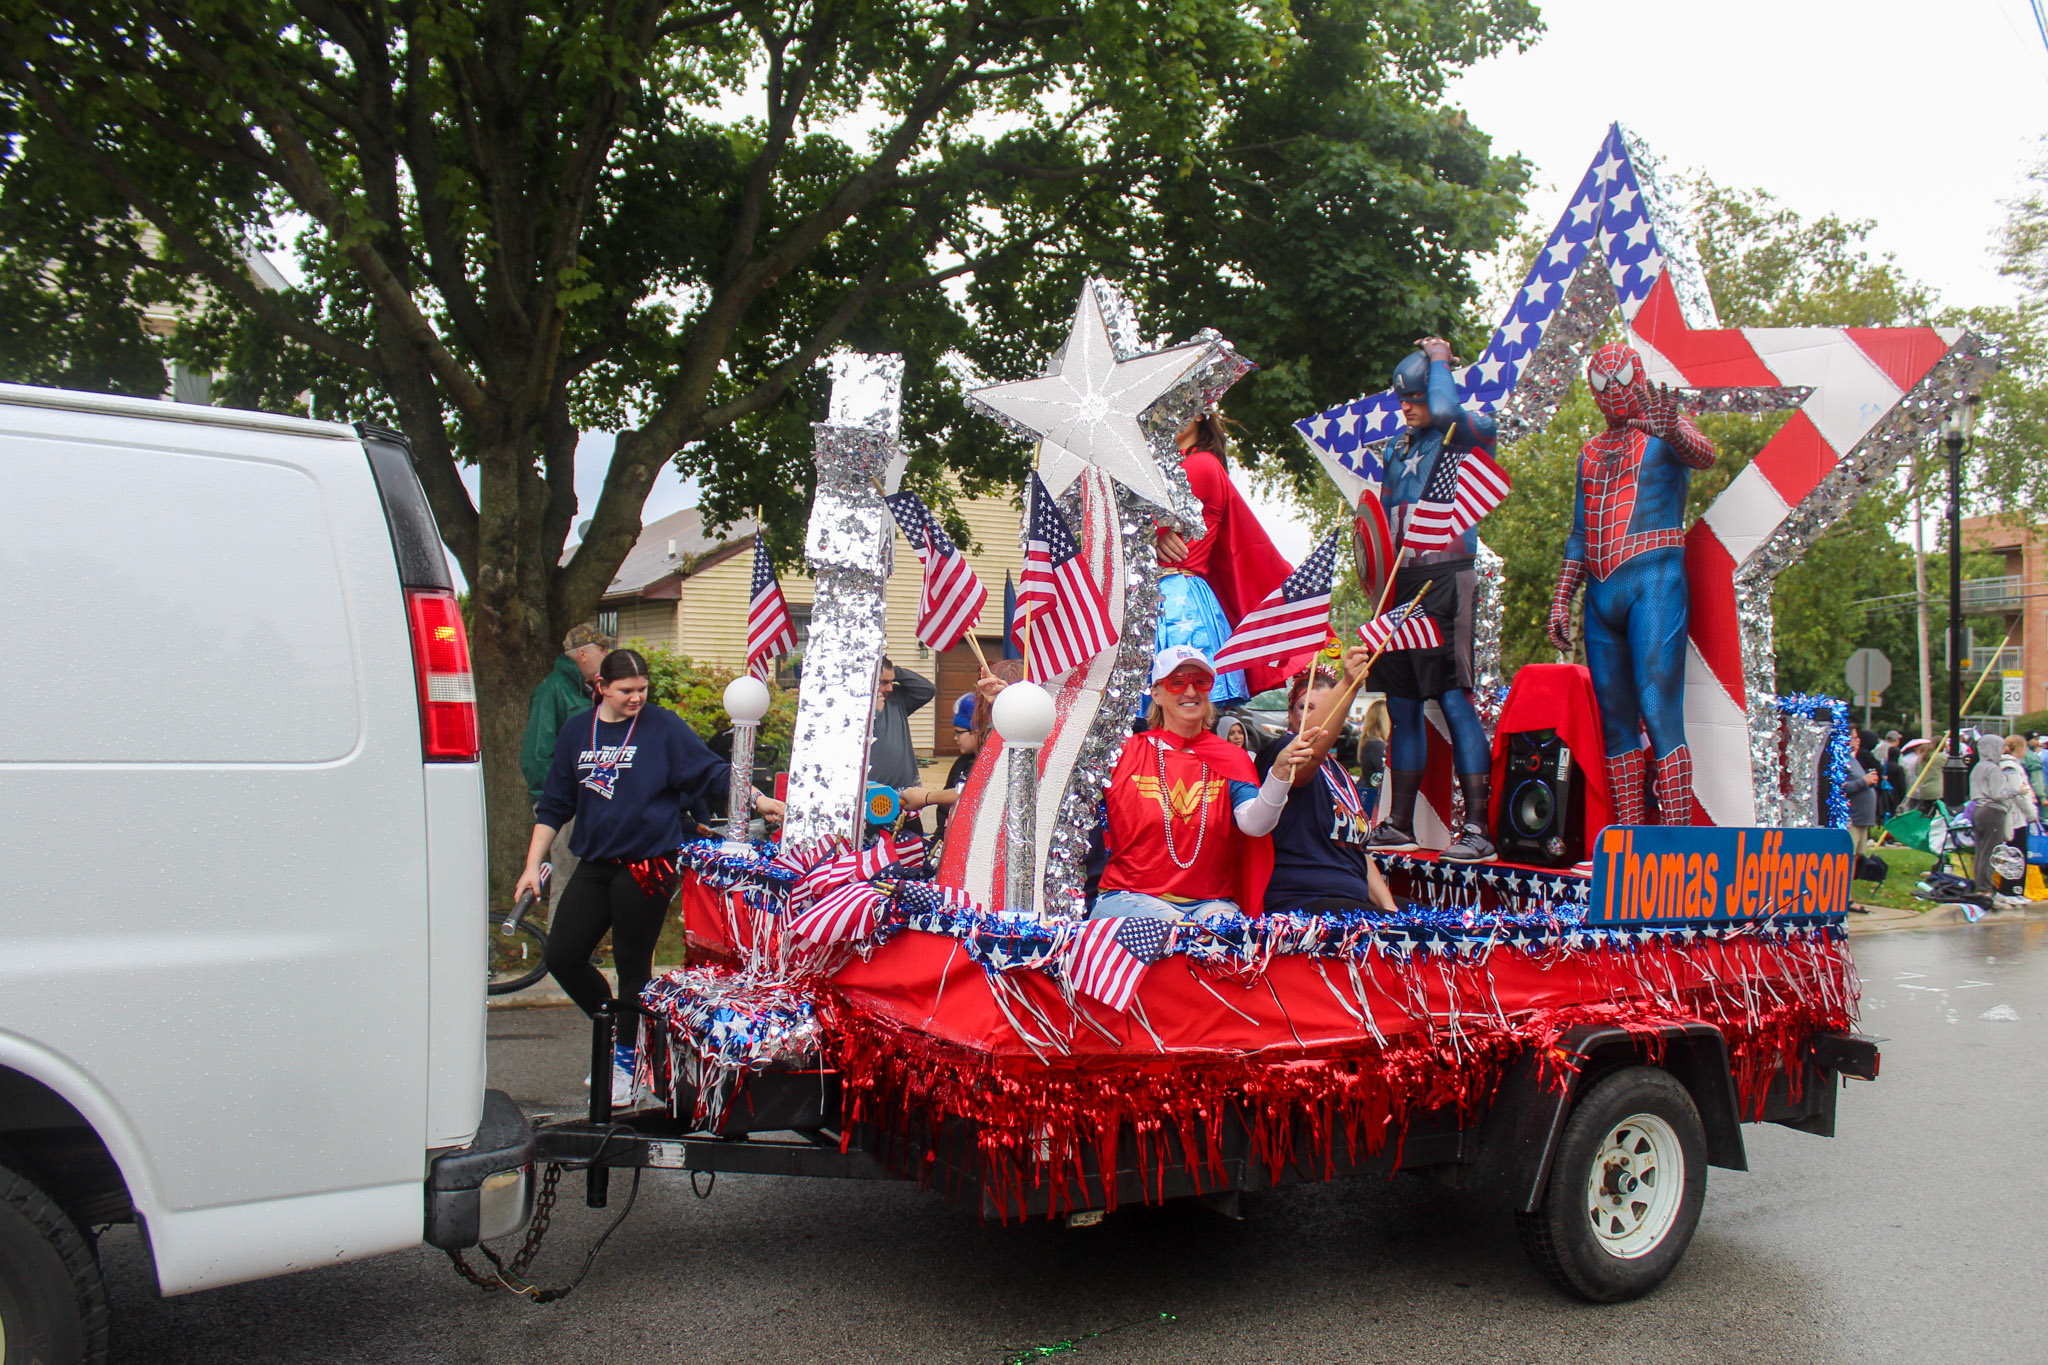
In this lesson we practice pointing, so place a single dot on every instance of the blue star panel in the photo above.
(1608, 208)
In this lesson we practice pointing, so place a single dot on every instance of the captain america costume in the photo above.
(1422, 467)
(1627, 547)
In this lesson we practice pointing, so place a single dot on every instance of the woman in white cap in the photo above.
(1188, 818)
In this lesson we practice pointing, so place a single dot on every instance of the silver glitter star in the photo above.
(1086, 409)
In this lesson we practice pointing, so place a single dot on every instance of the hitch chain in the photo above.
(512, 1276)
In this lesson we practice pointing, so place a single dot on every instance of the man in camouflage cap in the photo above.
(564, 692)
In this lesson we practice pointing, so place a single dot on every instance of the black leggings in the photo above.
(605, 898)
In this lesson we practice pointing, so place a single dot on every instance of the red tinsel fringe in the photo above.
(1038, 1123)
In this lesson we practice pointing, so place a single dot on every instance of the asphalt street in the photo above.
(1916, 1235)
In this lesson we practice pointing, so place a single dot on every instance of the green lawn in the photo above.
(1908, 866)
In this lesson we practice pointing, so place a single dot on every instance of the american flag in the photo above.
(1373, 550)
(1062, 613)
(1407, 626)
(770, 632)
(1425, 526)
(834, 900)
(1293, 620)
(1481, 486)
(953, 596)
(1110, 956)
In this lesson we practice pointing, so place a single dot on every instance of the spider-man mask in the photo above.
(1615, 374)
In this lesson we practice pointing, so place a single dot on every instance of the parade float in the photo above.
(1579, 1026)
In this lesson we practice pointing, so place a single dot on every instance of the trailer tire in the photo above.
(1625, 1189)
(53, 1303)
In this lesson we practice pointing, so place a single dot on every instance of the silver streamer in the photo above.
(1553, 366)
(1489, 607)
(848, 548)
(1020, 828)
(1870, 462)
(1806, 745)
(1667, 212)
(1103, 743)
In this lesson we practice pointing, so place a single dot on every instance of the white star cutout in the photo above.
(1087, 410)
(1623, 200)
(1638, 234)
(1582, 212)
(1512, 332)
(1538, 292)
(1607, 169)
(1349, 422)
(1491, 369)
(1560, 252)
(1322, 426)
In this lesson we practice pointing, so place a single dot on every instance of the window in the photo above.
(789, 668)
(608, 621)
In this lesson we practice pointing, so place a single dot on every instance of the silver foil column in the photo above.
(1020, 828)
(848, 549)
(739, 801)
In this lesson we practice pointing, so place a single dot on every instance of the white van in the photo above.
(242, 840)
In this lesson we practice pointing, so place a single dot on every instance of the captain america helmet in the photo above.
(1411, 376)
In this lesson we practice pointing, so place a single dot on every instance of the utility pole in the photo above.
(1920, 607)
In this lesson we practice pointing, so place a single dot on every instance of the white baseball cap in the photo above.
(1173, 656)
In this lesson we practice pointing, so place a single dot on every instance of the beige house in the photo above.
(688, 590)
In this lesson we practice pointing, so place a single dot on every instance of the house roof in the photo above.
(672, 548)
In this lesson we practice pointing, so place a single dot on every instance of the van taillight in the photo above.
(440, 656)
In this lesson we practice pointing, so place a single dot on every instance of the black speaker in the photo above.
(1542, 817)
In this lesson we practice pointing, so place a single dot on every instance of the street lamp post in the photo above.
(1955, 435)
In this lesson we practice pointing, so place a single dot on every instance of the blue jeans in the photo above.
(1110, 904)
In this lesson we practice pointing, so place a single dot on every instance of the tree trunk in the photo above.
(509, 663)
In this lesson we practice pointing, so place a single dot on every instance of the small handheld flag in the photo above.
(1293, 620)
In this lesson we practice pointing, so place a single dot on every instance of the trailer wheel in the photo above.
(53, 1304)
(1625, 1190)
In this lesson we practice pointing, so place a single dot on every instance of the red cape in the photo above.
(1242, 566)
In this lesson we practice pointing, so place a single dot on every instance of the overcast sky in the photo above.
(1921, 118)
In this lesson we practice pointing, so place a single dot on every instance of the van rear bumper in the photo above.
(485, 1190)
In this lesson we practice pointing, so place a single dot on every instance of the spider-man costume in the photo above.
(1627, 546)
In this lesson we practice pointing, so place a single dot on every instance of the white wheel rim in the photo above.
(1635, 1186)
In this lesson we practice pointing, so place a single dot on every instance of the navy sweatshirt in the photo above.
(665, 767)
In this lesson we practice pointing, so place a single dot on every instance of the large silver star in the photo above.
(1086, 409)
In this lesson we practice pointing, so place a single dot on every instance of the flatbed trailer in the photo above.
(1542, 1142)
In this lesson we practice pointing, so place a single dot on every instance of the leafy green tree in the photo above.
(528, 218)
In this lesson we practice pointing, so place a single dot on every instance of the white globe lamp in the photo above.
(1023, 715)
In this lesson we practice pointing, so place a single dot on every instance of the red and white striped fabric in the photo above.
(973, 862)
(770, 632)
(1858, 376)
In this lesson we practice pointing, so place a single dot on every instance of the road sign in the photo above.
(2015, 693)
(1868, 671)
